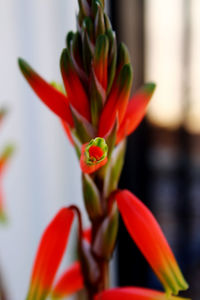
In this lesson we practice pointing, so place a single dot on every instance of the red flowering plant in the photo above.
(98, 114)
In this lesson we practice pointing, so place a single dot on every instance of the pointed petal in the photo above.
(74, 88)
(49, 254)
(117, 101)
(134, 293)
(50, 96)
(70, 282)
(148, 236)
(136, 110)
(100, 62)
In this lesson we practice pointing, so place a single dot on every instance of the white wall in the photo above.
(43, 174)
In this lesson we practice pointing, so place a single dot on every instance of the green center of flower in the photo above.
(96, 150)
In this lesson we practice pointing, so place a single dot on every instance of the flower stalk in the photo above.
(97, 114)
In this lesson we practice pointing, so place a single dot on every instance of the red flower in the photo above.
(134, 293)
(49, 254)
(93, 155)
(149, 238)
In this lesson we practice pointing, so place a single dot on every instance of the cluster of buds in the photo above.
(4, 157)
(98, 114)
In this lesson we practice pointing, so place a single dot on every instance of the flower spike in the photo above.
(135, 293)
(49, 255)
(70, 282)
(93, 155)
(50, 96)
(148, 236)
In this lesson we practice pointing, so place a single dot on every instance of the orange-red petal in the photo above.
(134, 293)
(71, 281)
(149, 238)
(49, 95)
(117, 101)
(49, 254)
(74, 88)
(136, 110)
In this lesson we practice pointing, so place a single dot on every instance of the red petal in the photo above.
(100, 62)
(50, 96)
(74, 88)
(49, 254)
(71, 281)
(135, 111)
(134, 293)
(117, 101)
(149, 238)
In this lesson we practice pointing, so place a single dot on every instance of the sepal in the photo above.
(114, 169)
(99, 24)
(84, 129)
(88, 52)
(89, 264)
(84, 7)
(92, 198)
(112, 58)
(106, 235)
